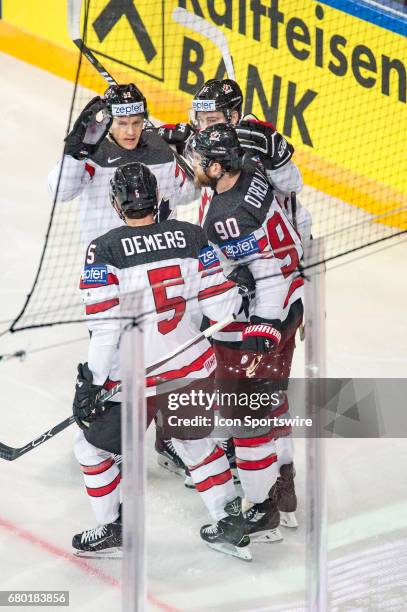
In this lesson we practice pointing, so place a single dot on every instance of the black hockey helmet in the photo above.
(216, 95)
(219, 143)
(125, 100)
(133, 189)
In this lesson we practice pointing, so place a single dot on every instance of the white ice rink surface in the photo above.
(43, 502)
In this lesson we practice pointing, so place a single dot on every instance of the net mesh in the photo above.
(337, 99)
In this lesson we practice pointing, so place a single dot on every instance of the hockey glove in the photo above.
(85, 404)
(261, 138)
(87, 132)
(242, 276)
(175, 134)
(259, 338)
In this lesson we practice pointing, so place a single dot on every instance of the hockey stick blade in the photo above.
(200, 26)
(9, 453)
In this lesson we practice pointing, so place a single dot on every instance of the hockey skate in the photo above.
(283, 493)
(228, 535)
(262, 521)
(168, 457)
(104, 541)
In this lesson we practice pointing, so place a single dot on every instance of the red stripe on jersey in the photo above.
(253, 441)
(90, 170)
(259, 464)
(217, 290)
(205, 199)
(109, 384)
(195, 366)
(102, 491)
(99, 468)
(170, 126)
(101, 306)
(232, 327)
(266, 123)
(111, 280)
(178, 169)
(263, 243)
(216, 454)
(298, 282)
(214, 481)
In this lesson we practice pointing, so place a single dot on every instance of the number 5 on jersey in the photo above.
(160, 279)
(90, 256)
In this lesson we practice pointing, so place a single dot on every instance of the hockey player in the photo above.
(108, 133)
(257, 246)
(162, 263)
(221, 102)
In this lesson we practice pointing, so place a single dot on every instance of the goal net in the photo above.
(338, 99)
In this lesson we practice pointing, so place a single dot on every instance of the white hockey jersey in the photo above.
(90, 179)
(161, 269)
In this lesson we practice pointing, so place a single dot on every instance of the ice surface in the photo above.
(43, 502)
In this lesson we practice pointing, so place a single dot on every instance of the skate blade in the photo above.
(266, 536)
(288, 519)
(242, 552)
(168, 465)
(111, 553)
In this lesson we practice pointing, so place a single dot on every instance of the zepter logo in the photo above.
(123, 110)
(203, 105)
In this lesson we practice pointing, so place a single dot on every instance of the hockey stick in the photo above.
(10, 454)
(200, 26)
(74, 17)
(294, 209)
